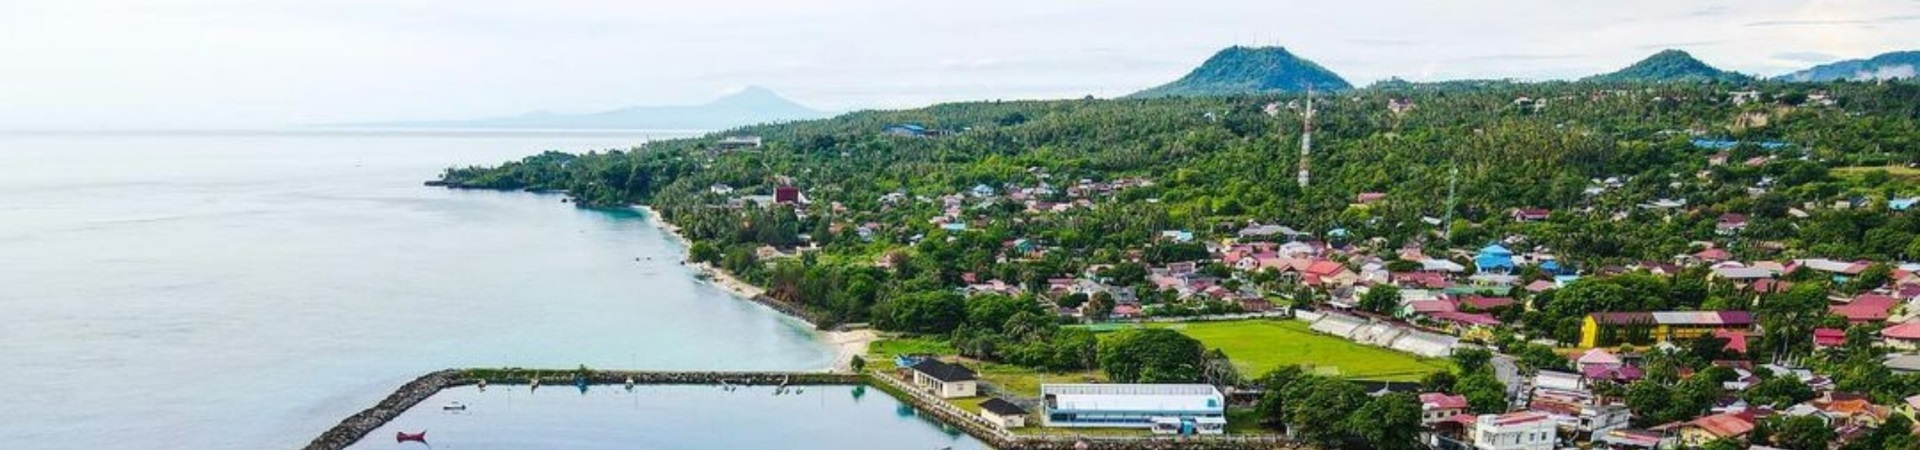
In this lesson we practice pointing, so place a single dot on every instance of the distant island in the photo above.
(753, 105)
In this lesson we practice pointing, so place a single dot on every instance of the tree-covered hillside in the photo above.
(1250, 70)
(1669, 66)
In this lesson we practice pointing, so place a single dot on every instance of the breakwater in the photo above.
(357, 426)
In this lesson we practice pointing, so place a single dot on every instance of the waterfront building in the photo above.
(943, 379)
(1003, 413)
(1165, 408)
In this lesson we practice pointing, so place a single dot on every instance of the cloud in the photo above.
(1805, 57)
(1826, 22)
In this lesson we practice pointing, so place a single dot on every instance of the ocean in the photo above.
(247, 290)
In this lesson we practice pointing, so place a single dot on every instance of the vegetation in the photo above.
(1259, 346)
(1249, 70)
(1669, 66)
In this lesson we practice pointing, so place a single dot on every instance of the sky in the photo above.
(130, 64)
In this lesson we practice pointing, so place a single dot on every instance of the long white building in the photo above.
(1165, 408)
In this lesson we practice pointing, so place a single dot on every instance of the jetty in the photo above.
(412, 393)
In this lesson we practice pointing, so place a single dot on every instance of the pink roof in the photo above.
(1432, 306)
(1325, 268)
(1828, 337)
(1724, 425)
(1866, 308)
(1539, 285)
(1909, 330)
(1465, 318)
(1615, 373)
(1736, 340)
(1599, 356)
(1485, 302)
(1437, 400)
(1714, 254)
(1528, 416)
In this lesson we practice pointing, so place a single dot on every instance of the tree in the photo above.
(1151, 355)
(859, 364)
(1387, 422)
(1484, 392)
(923, 312)
(1217, 370)
(1802, 433)
(1471, 360)
(1779, 392)
(1649, 401)
(1438, 382)
(1381, 299)
(1538, 357)
(1319, 415)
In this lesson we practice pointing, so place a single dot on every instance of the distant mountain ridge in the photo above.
(1250, 70)
(753, 105)
(1886, 66)
(1669, 66)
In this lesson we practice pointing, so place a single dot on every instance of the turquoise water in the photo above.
(668, 417)
(249, 290)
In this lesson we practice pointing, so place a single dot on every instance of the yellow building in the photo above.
(1607, 329)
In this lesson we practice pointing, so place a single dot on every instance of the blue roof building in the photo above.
(1493, 258)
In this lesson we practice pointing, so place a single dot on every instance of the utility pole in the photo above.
(1306, 140)
(1453, 184)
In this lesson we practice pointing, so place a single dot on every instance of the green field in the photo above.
(1258, 346)
(1897, 172)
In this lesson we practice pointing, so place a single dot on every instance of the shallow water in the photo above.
(668, 417)
(243, 291)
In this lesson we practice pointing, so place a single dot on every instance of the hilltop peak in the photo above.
(1250, 70)
(1670, 65)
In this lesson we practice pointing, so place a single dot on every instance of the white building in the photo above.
(1436, 407)
(1003, 413)
(944, 380)
(1515, 431)
(1164, 408)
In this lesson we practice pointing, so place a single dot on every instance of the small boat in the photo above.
(402, 436)
(453, 406)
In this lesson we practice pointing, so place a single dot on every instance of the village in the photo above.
(1345, 286)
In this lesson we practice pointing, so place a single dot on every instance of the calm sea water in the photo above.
(245, 291)
(669, 417)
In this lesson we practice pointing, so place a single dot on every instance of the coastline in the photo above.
(846, 343)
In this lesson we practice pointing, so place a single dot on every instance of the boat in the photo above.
(402, 436)
(454, 406)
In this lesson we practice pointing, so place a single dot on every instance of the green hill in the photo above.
(1886, 66)
(1666, 67)
(1250, 70)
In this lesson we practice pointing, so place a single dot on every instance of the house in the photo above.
(981, 190)
(1730, 223)
(1493, 258)
(1175, 408)
(738, 142)
(1525, 430)
(1646, 327)
(1866, 308)
(1828, 337)
(1530, 214)
(1003, 414)
(1700, 431)
(1902, 204)
(1177, 236)
(787, 194)
(906, 130)
(1369, 197)
(944, 379)
(1904, 336)
(1713, 256)
(1436, 407)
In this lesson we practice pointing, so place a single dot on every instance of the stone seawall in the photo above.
(355, 427)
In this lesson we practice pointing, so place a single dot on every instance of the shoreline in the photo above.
(846, 344)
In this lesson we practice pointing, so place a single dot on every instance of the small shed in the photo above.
(1003, 413)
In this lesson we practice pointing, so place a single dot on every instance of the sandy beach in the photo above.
(846, 344)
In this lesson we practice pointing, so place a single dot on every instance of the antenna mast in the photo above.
(1306, 139)
(1453, 183)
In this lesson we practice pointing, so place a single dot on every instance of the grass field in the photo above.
(1898, 172)
(1257, 346)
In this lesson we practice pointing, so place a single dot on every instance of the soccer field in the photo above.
(1257, 346)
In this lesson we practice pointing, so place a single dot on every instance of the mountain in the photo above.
(752, 105)
(1666, 67)
(1250, 70)
(1886, 66)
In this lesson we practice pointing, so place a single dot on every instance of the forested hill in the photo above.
(1250, 70)
(1895, 65)
(1669, 66)
(1219, 162)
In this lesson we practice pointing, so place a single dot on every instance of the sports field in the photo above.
(1257, 346)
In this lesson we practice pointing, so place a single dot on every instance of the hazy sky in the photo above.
(264, 63)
